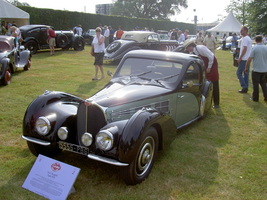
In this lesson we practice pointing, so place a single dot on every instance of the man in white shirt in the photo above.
(106, 34)
(245, 50)
(211, 66)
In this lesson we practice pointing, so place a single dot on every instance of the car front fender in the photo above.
(60, 108)
(4, 62)
(136, 126)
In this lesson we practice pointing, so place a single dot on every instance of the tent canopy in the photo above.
(229, 25)
(11, 13)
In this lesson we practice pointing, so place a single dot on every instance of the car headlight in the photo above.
(62, 133)
(43, 125)
(104, 140)
(87, 139)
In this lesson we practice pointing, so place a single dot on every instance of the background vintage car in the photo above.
(89, 36)
(133, 40)
(12, 58)
(151, 94)
(35, 38)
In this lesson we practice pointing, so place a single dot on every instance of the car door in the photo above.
(188, 97)
(43, 36)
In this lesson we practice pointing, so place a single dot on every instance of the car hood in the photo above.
(115, 94)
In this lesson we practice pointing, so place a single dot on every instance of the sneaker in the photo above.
(244, 90)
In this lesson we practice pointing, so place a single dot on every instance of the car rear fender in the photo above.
(207, 94)
(135, 128)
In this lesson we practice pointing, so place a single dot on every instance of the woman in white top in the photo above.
(98, 47)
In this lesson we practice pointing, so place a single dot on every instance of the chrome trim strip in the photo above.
(35, 140)
(107, 160)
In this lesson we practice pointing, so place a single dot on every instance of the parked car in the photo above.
(35, 38)
(89, 36)
(163, 35)
(12, 58)
(132, 40)
(150, 96)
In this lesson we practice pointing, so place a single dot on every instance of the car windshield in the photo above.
(149, 71)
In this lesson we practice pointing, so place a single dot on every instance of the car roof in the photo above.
(162, 55)
(139, 36)
(27, 27)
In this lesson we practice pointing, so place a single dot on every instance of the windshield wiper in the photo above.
(166, 77)
(140, 74)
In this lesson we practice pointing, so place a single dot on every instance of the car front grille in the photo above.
(90, 118)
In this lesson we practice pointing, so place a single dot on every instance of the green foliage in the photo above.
(66, 20)
(152, 9)
(252, 13)
(258, 16)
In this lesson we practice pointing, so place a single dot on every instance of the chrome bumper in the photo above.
(91, 156)
(35, 140)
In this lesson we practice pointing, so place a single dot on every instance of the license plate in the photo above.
(73, 148)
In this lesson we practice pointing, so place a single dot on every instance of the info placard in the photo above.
(50, 178)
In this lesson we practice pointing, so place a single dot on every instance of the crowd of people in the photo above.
(204, 46)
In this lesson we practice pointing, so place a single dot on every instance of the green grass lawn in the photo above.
(223, 156)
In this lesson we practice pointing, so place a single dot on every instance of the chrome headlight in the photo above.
(104, 140)
(62, 133)
(87, 139)
(43, 125)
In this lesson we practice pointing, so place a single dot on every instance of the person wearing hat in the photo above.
(211, 65)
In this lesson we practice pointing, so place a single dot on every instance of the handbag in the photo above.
(92, 51)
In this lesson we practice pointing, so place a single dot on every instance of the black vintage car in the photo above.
(35, 38)
(89, 36)
(150, 96)
(133, 40)
(12, 57)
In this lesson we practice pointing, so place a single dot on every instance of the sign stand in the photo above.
(51, 179)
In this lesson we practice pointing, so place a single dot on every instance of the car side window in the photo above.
(153, 38)
(192, 75)
(35, 30)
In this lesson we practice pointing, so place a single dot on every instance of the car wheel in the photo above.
(62, 41)
(31, 46)
(28, 65)
(113, 47)
(7, 77)
(37, 149)
(78, 44)
(140, 167)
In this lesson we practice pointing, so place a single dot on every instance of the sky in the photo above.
(207, 11)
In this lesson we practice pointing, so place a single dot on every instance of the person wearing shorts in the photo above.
(98, 47)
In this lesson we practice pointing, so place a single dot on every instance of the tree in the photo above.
(258, 16)
(17, 3)
(239, 9)
(252, 13)
(149, 9)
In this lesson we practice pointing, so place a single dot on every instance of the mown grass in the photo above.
(222, 156)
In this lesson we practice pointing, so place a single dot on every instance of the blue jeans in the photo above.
(241, 75)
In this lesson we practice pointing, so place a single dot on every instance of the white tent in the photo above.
(229, 25)
(10, 13)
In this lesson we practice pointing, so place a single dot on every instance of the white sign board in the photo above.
(50, 178)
